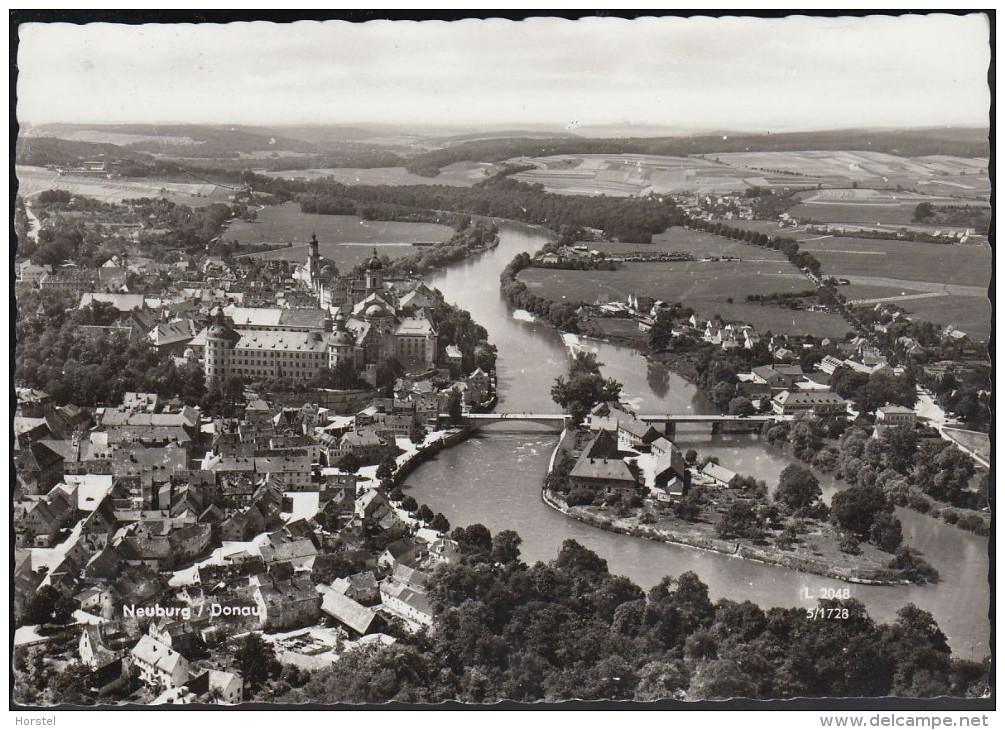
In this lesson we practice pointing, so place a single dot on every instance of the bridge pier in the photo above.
(670, 430)
(716, 428)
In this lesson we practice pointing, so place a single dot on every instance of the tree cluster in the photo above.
(570, 629)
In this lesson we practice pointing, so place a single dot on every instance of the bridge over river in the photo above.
(558, 421)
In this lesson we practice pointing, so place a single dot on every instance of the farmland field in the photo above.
(953, 176)
(883, 269)
(346, 239)
(33, 180)
(705, 286)
(459, 174)
(922, 262)
(865, 206)
(625, 175)
(697, 243)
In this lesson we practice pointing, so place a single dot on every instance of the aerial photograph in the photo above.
(501, 360)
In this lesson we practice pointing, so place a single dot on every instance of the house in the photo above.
(360, 587)
(213, 685)
(44, 519)
(777, 376)
(285, 603)
(355, 616)
(405, 550)
(39, 467)
(405, 601)
(299, 553)
(102, 644)
(717, 474)
(634, 433)
(820, 402)
(892, 415)
(443, 552)
(371, 505)
(160, 666)
(97, 599)
(607, 474)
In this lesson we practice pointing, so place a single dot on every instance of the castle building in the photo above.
(266, 343)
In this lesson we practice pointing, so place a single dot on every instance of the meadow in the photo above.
(32, 180)
(866, 206)
(698, 243)
(346, 239)
(705, 286)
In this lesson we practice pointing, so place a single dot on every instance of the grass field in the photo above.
(865, 206)
(346, 239)
(460, 174)
(697, 243)
(33, 180)
(705, 286)
(922, 262)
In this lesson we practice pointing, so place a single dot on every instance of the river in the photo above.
(495, 478)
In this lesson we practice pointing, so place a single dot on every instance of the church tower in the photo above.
(374, 273)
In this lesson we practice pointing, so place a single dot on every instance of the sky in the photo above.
(689, 74)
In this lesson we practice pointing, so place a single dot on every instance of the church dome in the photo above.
(328, 271)
(374, 264)
(375, 310)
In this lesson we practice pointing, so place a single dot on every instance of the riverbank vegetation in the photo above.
(897, 466)
(569, 629)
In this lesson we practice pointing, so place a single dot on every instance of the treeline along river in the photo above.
(495, 478)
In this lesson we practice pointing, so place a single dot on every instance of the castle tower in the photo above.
(342, 345)
(220, 341)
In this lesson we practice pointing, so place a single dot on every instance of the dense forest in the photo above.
(570, 629)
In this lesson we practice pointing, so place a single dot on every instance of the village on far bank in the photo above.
(169, 553)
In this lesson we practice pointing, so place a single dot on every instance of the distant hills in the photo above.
(426, 150)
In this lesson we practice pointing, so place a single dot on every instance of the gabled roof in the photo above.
(613, 470)
(719, 473)
(355, 615)
(159, 655)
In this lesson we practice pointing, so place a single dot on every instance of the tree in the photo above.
(886, 532)
(741, 406)
(455, 412)
(71, 685)
(386, 467)
(388, 370)
(739, 520)
(923, 212)
(439, 523)
(424, 514)
(417, 433)
(409, 504)
(578, 394)
(506, 546)
(798, 489)
(349, 463)
(855, 509)
(256, 659)
(49, 606)
(574, 558)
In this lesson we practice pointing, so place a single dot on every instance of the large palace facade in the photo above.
(359, 320)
